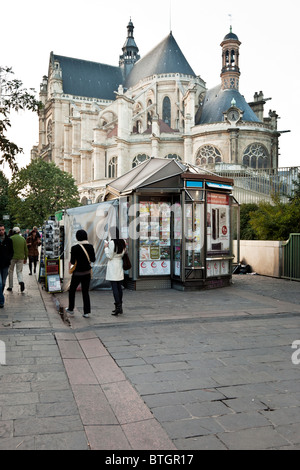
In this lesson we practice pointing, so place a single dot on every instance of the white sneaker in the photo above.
(86, 315)
(70, 312)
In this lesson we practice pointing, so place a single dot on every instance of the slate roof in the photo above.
(89, 79)
(166, 57)
(218, 101)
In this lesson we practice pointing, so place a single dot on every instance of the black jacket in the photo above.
(6, 252)
(77, 254)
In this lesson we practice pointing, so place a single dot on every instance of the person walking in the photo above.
(114, 249)
(6, 254)
(33, 242)
(83, 254)
(19, 259)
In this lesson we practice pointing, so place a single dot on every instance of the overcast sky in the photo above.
(96, 30)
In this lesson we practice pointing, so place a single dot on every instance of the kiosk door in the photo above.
(194, 239)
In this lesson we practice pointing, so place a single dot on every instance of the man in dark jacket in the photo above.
(6, 254)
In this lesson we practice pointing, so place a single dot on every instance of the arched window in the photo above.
(173, 156)
(113, 167)
(167, 110)
(256, 156)
(208, 154)
(140, 158)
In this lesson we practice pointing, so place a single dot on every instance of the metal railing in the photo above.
(253, 186)
(291, 257)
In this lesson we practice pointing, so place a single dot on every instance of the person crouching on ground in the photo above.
(114, 250)
(83, 253)
(33, 242)
(19, 259)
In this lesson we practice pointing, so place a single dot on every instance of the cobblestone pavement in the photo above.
(178, 370)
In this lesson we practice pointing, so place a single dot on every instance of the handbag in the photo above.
(126, 262)
(72, 268)
(87, 255)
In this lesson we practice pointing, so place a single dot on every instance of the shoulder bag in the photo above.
(126, 262)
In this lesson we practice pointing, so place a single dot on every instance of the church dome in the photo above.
(231, 35)
(218, 101)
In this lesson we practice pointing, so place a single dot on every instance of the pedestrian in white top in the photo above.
(114, 250)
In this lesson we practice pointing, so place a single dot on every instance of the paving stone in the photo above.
(93, 405)
(93, 348)
(125, 402)
(107, 437)
(79, 371)
(47, 425)
(234, 422)
(147, 435)
(253, 439)
(215, 378)
(75, 440)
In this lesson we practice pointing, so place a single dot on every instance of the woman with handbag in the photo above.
(82, 255)
(114, 250)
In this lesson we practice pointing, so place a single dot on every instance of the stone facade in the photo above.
(99, 121)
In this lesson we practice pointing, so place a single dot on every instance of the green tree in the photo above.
(276, 221)
(295, 198)
(247, 232)
(13, 96)
(3, 195)
(38, 191)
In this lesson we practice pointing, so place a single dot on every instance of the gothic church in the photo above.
(100, 121)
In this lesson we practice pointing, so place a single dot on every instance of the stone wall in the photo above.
(264, 257)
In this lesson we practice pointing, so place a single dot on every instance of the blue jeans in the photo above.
(3, 276)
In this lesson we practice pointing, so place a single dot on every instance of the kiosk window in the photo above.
(155, 238)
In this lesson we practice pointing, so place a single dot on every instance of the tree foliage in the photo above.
(277, 220)
(271, 221)
(38, 191)
(3, 195)
(247, 232)
(13, 96)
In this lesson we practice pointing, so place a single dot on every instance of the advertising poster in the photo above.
(218, 237)
(217, 268)
(155, 238)
(156, 267)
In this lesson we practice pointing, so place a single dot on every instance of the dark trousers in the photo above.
(84, 280)
(34, 260)
(117, 291)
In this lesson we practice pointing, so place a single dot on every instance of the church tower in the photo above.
(130, 52)
(230, 61)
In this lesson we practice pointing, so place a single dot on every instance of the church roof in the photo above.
(166, 57)
(89, 79)
(218, 101)
(163, 128)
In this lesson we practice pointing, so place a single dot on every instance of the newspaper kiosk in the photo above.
(177, 221)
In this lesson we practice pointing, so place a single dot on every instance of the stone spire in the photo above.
(130, 51)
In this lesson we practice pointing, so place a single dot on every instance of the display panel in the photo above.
(218, 236)
(155, 238)
(193, 215)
